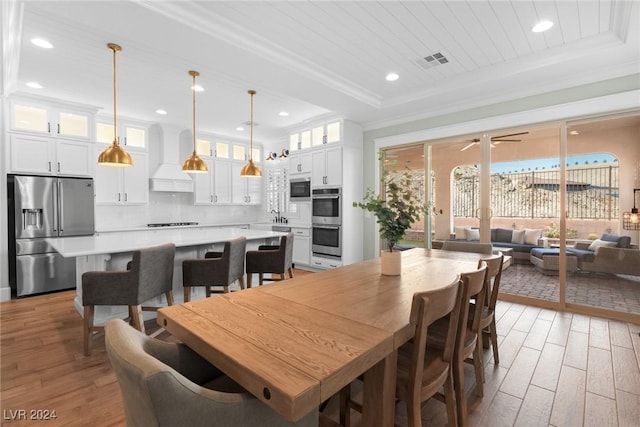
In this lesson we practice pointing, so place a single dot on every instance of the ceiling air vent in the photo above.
(432, 60)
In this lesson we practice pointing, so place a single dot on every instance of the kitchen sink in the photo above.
(281, 228)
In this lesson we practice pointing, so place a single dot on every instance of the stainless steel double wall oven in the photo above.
(326, 218)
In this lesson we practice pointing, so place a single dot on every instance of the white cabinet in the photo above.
(214, 187)
(129, 133)
(321, 134)
(326, 134)
(325, 263)
(326, 167)
(301, 246)
(244, 191)
(240, 152)
(300, 140)
(123, 186)
(41, 117)
(299, 163)
(50, 156)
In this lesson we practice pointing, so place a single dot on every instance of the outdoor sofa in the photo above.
(611, 253)
(521, 241)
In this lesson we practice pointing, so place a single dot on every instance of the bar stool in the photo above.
(217, 269)
(149, 274)
(271, 259)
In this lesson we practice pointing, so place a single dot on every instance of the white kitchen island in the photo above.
(111, 251)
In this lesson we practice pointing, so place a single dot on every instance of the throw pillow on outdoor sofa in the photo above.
(597, 243)
(460, 232)
(518, 236)
(473, 234)
(531, 236)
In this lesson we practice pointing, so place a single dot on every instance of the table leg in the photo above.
(379, 393)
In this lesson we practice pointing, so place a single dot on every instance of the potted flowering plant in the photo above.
(395, 211)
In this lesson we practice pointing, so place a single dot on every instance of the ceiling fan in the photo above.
(495, 140)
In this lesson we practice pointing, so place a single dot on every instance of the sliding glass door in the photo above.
(550, 197)
(603, 161)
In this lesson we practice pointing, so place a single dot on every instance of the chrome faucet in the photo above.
(278, 219)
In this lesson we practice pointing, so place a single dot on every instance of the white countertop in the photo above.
(115, 242)
(147, 228)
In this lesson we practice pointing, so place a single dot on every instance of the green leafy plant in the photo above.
(553, 231)
(397, 209)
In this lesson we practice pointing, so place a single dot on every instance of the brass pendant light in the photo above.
(115, 155)
(250, 170)
(194, 164)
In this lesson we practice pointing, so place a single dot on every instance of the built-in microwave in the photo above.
(300, 190)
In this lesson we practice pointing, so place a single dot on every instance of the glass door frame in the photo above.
(485, 213)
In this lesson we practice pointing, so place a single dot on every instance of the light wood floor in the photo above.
(555, 369)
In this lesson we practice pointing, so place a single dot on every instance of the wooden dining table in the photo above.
(296, 343)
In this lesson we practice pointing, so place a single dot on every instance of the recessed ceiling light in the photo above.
(42, 43)
(392, 77)
(161, 111)
(198, 88)
(541, 26)
(283, 113)
(34, 85)
(239, 128)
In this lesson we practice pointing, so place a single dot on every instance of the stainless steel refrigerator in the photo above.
(39, 208)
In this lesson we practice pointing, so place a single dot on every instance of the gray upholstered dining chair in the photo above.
(148, 275)
(271, 259)
(168, 384)
(217, 269)
(480, 248)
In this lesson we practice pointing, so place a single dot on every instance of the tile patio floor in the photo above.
(612, 292)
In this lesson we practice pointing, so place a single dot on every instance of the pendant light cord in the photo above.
(193, 89)
(251, 92)
(115, 48)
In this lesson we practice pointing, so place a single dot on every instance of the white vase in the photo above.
(390, 263)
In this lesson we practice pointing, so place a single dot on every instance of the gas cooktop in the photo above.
(171, 224)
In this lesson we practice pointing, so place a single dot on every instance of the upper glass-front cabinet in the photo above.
(222, 150)
(316, 136)
(134, 135)
(239, 152)
(203, 147)
(44, 119)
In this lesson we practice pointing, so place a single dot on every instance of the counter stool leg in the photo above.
(187, 293)
(87, 328)
(169, 295)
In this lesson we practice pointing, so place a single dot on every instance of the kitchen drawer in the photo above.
(306, 232)
(325, 263)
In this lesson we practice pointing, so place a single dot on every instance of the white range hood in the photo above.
(168, 176)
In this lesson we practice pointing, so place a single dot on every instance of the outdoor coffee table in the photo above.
(508, 254)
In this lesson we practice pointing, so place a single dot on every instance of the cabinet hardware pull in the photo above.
(125, 197)
(58, 128)
(49, 166)
(215, 198)
(58, 166)
(49, 127)
(119, 197)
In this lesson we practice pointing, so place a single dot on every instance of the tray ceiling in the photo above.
(313, 59)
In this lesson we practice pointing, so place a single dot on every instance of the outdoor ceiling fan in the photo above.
(495, 140)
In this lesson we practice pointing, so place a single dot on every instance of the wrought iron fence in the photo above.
(592, 193)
